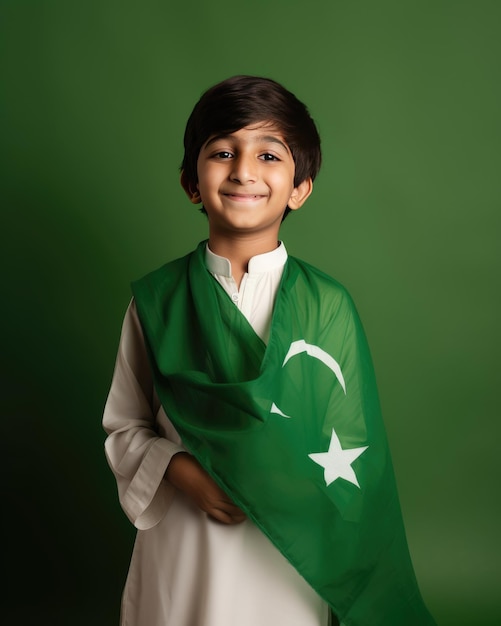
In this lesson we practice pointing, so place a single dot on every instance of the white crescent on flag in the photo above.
(297, 347)
(337, 461)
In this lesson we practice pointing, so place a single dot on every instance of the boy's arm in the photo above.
(186, 473)
(138, 455)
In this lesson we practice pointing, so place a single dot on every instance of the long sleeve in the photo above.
(187, 569)
(141, 440)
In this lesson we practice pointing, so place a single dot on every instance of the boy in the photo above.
(243, 422)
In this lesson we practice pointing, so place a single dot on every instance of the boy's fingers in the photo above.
(226, 518)
(227, 513)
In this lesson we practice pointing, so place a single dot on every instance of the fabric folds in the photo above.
(291, 430)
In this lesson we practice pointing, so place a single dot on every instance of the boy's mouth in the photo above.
(243, 197)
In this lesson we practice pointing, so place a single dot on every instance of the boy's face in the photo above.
(246, 181)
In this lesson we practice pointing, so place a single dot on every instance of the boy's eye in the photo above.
(269, 157)
(223, 155)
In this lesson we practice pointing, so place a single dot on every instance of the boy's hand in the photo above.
(186, 473)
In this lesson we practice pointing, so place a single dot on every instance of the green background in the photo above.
(405, 213)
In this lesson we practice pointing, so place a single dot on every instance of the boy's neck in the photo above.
(239, 251)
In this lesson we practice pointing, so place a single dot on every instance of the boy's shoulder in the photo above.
(320, 278)
(163, 278)
(314, 284)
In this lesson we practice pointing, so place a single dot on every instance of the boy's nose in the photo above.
(244, 170)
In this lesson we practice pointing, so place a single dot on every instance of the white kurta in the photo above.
(187, 569)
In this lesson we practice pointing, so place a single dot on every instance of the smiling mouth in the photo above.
(243, 197)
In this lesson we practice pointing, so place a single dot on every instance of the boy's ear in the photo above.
(300, 194)
(190, 189)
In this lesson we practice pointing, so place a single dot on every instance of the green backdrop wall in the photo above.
(405, 213)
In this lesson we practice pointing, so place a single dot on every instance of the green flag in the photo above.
(291, 430)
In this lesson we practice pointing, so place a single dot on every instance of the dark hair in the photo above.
(243, 100)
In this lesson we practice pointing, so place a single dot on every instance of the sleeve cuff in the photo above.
(148, 495)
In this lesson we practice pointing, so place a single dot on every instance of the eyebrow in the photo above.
(263, 138)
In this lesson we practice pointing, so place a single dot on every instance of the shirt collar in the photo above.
(257, 264)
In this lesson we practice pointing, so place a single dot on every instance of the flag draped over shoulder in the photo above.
(291, 430)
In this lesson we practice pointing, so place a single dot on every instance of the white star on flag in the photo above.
(337, 462)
